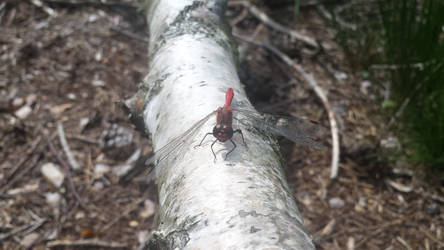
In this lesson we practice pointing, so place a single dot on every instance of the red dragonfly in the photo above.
(300, 131)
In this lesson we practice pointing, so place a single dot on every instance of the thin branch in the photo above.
(71, 159)
(32, 226)
(29, 153)
(310, 79)
(337, 17)
(430, 236)
(82, 139)
(45, 8)
(85, 243)
(125, 213)
(118, 3)
(62, 162)
(274, 25)
(124, 31)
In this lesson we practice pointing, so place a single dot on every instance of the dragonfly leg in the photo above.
(234, 144)
(203, 140)
(212, 150)
(240, 132)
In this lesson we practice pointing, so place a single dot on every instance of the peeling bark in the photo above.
(242, 202)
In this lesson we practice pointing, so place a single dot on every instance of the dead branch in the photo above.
(310, 79)
(274, 25)
(29, 153)
(117, 3)
(124, 31)
(62, 162)
(337, 17)
(30, 228)
(71, 159)
(82, 139)
(131, 207)
(85, 243)
(44, 7)
(430, 236)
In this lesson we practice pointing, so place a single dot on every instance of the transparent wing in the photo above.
(177, 144)
(301, 131)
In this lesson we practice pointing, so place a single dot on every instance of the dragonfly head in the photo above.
(222, 132)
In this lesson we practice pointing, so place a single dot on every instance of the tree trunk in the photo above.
(242, 202)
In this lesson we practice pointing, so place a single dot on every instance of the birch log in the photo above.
(242, 202)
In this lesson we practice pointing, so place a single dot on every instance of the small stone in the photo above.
(98, 56)
(149, 209)
(364, 86)
(30, 99)
(433, 209)
(100, 169)
(29, 240)
(143, 236)
(53, 199)
(98, 83)
(23, 112)
(122, 170)
(71, 96)
(52, 173)
(80, 215)
(341, 76)
(83, 122)
(390, 143)
(92, 18)
(133, 223)
(17, 102)
(336, 202)
(98, 185)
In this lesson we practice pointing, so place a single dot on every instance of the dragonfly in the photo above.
(301, 131)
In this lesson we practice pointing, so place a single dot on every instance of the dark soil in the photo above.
(76, 67)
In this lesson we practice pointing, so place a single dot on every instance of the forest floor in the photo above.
(70, 70)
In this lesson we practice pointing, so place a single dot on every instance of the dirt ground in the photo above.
(67, 66)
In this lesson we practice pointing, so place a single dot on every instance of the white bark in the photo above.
(240, 203)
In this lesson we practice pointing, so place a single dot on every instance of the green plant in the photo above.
(414, 42)
(408, 36)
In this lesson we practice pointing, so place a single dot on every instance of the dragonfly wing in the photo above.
(301, 131)
(177, 143)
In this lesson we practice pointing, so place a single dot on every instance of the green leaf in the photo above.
(388, 104)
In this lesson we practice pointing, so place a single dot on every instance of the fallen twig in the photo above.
(82, 139)
(17, 166)
(85, 243)
(71, 159)
(32, 226)
(430, 236)
(239, 17)
(403, 106)
(398, 186)
(108, 3)
(273, 24)
(337, 17)
(404, 243)
(71, 185)
(310, 79)
(45, 8)
(379, 230)
(124, 31)
(434, 197)
(126, 212)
